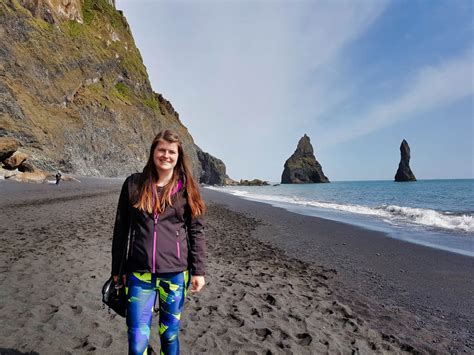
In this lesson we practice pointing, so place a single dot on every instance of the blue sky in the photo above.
(249, 78)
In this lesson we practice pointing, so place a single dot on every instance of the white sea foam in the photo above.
(390, 213)
(432, 218)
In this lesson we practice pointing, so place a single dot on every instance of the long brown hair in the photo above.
(181, 172)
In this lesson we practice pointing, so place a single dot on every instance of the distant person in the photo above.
(58, 177)
(161, 208)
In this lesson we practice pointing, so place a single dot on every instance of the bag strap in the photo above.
(129, 241)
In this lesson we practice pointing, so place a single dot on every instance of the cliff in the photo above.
(302, 167)
(213, 169)
(404, 172)
(74, 90)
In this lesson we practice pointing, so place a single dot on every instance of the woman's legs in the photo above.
(172, 290)
(142, 288)
(141, 296)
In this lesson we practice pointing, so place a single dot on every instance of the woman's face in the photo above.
(165, 156)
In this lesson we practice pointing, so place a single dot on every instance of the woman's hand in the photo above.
(116, 278)
(197, 283)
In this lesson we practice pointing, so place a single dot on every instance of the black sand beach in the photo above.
(277, 283)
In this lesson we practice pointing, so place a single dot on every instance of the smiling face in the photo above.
(165, 156)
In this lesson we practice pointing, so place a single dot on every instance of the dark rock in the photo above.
(27, 167)
(8, 146)
(213, 169)
(404, 172)
(9, 104)
(302, 167)
(15, 160)
(254, 182)
(229, 181)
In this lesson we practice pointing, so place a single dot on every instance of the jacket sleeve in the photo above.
(197, 244)
(121, 229)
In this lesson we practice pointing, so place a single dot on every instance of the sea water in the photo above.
(435, 213)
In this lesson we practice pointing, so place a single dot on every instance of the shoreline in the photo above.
(435, 286)
(457, 241)
(277, 282)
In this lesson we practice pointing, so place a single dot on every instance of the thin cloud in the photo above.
(433, 87)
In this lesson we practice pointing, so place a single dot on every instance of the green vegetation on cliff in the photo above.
(77, 93)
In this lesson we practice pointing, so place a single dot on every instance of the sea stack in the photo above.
(302, 167)
(404, 172)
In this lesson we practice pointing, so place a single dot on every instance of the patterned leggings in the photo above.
(142, 289)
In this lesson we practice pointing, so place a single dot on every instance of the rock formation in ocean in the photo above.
(228, 181)
(74, 91)
(253, 182)
(302, 167)
(244, 182)
(404, 172)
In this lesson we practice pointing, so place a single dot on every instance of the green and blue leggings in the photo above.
(143, 288)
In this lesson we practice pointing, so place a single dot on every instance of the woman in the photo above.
(161, 210)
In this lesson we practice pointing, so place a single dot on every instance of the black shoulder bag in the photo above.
(113, 293)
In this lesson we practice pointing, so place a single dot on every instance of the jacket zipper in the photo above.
(178, 249)
(155, 221)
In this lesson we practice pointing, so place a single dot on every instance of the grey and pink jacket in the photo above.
(172, 241)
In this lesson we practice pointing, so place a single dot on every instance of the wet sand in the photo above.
(277, 283)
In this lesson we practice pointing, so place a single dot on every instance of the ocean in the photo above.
(435, 213)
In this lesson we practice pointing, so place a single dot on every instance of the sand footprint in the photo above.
(235, 321)
(76, 309)
(264, 333)
(304, 339)
(107, 341)
(85, 345)
(49, 313)
(270, 299)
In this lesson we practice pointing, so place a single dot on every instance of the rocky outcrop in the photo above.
(254, 182)
(54, 11)
(213, 169)
(26, 167)
(8, 146)
(404, 172)
(228, 181)
(74, 91)
(16, 165)
(243, 182)
(302, 167)
(15, 160)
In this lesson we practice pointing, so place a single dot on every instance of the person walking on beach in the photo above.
(161, 209)
(58, 177)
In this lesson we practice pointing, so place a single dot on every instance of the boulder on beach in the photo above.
(15, 160)
(35, 177)
(404, 172)
(302, 167)
(8, 146)
(15, 164)
(27, 167)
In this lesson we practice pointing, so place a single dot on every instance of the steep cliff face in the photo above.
(213, 169)
(74, 90)
(302, 167)
(404, 172)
